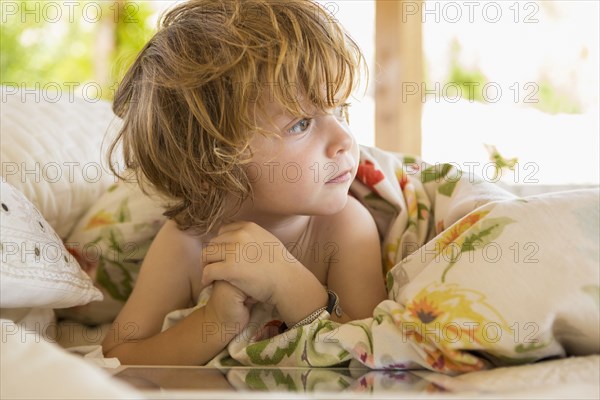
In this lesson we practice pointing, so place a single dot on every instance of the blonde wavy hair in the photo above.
(190, 101)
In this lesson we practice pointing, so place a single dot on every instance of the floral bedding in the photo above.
(476, 277)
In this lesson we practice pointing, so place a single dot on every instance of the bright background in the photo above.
(542, 56)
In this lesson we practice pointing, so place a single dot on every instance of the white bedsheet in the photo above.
(569, 378)
(31, 368)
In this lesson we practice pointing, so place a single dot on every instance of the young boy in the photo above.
(235, 111)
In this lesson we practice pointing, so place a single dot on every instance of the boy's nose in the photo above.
(339, 138)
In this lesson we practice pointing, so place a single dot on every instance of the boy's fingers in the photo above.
(250, 301)
(214, 272)
(221, 251)
(212, 252)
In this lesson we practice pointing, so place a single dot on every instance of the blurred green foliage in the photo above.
(553, 100)
(132, 35)
(467, 80)
(543, 95)
(44, 46)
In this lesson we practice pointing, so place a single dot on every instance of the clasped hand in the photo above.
(254, 260)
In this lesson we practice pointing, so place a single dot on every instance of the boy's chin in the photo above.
(333, 207)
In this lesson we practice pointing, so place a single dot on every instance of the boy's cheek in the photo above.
(355, 151)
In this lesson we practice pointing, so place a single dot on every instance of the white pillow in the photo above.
(52, 151)
(110, 242)
(36, 270)
(58, 374)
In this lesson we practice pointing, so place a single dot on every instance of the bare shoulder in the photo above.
(172, 239)
(350, 232)
(353, 222)
(165, 280)
(355, 271)
(163, 285)
(175, 256)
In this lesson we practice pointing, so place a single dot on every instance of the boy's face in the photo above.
(306, 166)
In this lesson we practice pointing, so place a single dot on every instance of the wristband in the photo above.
(333, 304)
(333, 307)
(313, 316)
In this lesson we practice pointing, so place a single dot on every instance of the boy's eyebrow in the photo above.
(285, 114)
(289, 122)
(278, 120)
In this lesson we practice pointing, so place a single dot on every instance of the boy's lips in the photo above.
(345, 176)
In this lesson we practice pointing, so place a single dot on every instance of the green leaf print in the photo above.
(522, 348)
(389, 284)
(481, 234)
(343, 383)
(104, 280)
(409, 160)
(255, 381)
(489, 230)
(123, 214)
(228, 361)
(343, 354)
(447, 188)
(126, 280)
(255, 351)
(366, 328)
(114, 237)
(435, 173)
(375, 202)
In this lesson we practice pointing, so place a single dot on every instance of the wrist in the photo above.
(303, 305)
(228, 323)
(216, 329)
(333, 308)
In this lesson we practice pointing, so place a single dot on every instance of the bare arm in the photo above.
(279, 279)
(164, 285)
(274, 277)
(355, 271)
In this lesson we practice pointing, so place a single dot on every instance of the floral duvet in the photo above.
(476, 278)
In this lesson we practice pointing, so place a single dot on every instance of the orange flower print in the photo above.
(410, 197)
(402, 178)
(389, 256)
(100, 218)
(369, 175)
(434, 320)
(439, 227)
(452, 234)
(424, 310)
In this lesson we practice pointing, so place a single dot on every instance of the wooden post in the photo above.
(105, 45)
(398, 75)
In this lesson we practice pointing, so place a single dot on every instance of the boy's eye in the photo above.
(341, 113)
(300, 126)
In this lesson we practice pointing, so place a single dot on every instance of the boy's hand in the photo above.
(249, 257)
(228, 305)
(255, 261)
